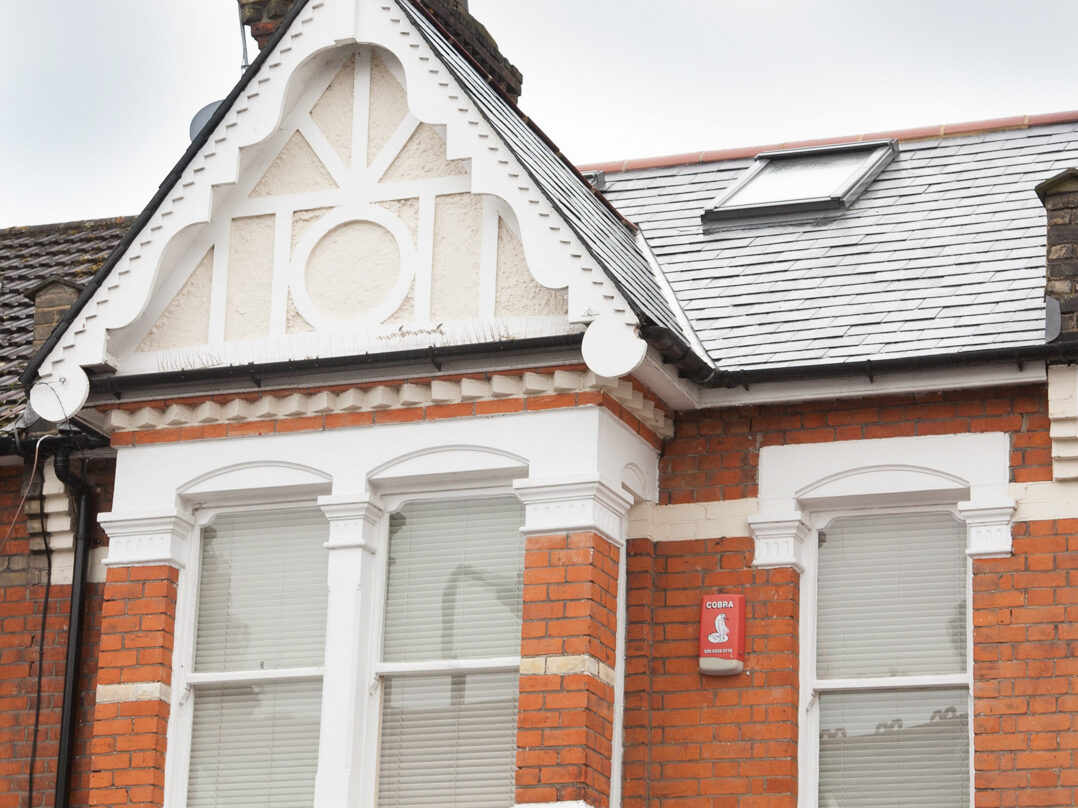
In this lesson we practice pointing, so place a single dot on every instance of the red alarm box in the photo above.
(722, 634)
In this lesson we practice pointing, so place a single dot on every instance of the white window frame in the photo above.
(804, 487)
(811, 686)
(877, 155)
(184, 677)
(379, 669)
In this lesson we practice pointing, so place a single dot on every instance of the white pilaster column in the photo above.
(354, 537)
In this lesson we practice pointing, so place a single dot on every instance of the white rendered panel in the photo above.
(448, 740)
(891, 596)
(455, 580)
(262, 592)
(894, 748)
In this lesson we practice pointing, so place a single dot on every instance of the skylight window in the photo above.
(792, 181)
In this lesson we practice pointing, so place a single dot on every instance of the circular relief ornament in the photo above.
(353, 267)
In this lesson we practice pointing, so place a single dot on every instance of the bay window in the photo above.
(447, 672)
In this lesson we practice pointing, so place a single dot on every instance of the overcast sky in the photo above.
(97, 96)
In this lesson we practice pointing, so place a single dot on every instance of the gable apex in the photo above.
(206, 181)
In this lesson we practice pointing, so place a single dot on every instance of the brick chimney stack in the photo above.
(1060, 197)
(473, 37)
(263, 17)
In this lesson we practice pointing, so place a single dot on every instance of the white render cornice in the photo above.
(396, 395)
(139, 540)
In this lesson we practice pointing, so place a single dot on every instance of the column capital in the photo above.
(988, 528)
(574, 505)
(148, 538)
(780, 540)
(353, 521)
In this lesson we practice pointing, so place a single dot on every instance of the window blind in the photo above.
(448, 740)
(454, 592)
(262, 594)
(891, 596)
(880, 749)
(254, 745)
(261, 607)
(455, 580)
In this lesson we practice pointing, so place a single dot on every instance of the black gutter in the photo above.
(163, 190)
(259, 374)
(691, 366)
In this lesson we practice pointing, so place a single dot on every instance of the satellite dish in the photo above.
(202, 117)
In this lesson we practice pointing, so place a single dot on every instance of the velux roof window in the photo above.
(792, 181)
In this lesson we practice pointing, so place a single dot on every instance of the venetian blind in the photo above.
(891, 596)
(261, 607)
(884, 749)
(455, 580)
(254, 745)
(262, 594)
(453, 592)
(448, 740)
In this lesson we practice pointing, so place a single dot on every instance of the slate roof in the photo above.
(943, 253)
(609, 239)
(28, 255)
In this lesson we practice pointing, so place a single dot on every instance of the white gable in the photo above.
(377, 251)
(351, 202)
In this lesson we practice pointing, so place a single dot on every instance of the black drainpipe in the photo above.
(69, 717)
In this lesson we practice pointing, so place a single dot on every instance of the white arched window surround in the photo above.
(803, 488)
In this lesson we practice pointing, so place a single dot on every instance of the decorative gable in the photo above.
(314, 242)
(352, 201)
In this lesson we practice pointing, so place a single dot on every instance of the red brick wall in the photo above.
(714, 453)
(694, 740)
(565, 720)
(1025, 650)
(137, 629)
(22, 600)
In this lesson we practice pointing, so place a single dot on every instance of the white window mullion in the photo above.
(507, 663)
(255, 677)
(354, 546)
(926, 681)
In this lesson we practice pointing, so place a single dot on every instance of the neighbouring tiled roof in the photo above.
(609, 239)
(943, 253)
(28, 255)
